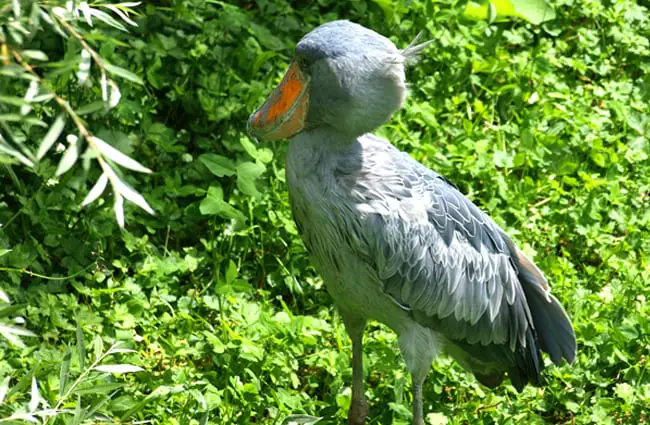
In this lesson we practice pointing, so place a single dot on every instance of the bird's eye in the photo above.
(302, 63)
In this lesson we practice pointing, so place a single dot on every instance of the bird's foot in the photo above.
(358, 412)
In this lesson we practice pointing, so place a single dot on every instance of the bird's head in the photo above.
(342, 76)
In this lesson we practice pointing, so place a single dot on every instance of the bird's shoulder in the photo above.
(390, 183)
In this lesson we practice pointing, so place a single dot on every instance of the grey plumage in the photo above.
(398, 243)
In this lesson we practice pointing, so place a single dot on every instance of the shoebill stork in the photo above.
(393, 240)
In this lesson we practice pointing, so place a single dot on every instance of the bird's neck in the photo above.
(312, 149)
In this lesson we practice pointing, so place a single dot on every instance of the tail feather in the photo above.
(554, 329)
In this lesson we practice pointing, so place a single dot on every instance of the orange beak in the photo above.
(284, 112)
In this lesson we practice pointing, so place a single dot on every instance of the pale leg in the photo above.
(418, 346)
(359, 406)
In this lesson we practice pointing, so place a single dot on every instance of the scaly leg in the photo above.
(359, 406)
(418, 418)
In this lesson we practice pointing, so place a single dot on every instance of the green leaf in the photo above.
(301, 420)
(64, 370)
(95, 106)
(35, 54)
(247, 173)
(124, 73)
(13, 100)
(534, 11)
(213, 204)
(217, 164)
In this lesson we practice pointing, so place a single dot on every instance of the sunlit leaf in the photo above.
(128, 192)
(106, 18)
(119, 368)
(534, 11)
(35, 396)
(4, 297)
(51, 137)
(35, 54)
(12, 330)
(121, 14)
(86, 11)
(13, 152)
(16, 7)
(118, 207)
(32, 91)
(4, 387)
(115, 95)
(84, 67)
(68, 159)
(118, 157)
(96, 191)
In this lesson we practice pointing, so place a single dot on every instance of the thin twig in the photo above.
(34, 274)
(66, 107)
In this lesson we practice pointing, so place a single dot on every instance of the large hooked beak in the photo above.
(284, 112)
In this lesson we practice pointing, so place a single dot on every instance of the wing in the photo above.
(443, 259)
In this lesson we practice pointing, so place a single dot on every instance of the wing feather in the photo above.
(451, 266)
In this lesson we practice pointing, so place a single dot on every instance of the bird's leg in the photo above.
(418, 346)
(418, 417)
(359, 406)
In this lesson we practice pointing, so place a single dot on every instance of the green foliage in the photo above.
(546, 128)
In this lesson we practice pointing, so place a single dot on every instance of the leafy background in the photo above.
(215, 310)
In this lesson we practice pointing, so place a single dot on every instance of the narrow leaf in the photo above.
(81, 347)
(96, 191)
(4, 387)
(119, 368)
(19, 156)
(86, 10)
(31, 93)
(129, 193)
(13, 100)
(118, 206)
(121, 14)
(121, 350)
(63, 372)
(4, 251)
(115, 96)
(105, 17)
(4, 297)
(124, 73)
(84, 67)
(91, 107)
(118, 157)
(69, 158)
(52, 135)
(35, 396)
(103, 83)
(12, 330)
(35, 54)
